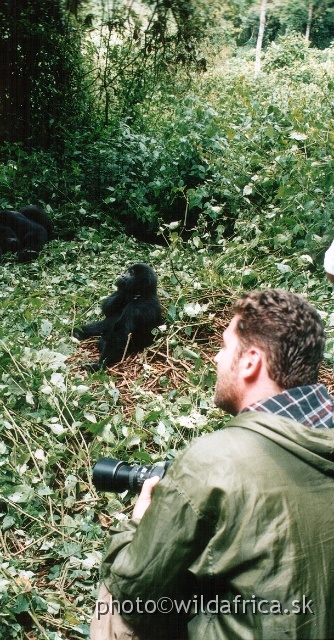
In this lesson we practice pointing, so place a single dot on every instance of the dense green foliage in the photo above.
(247, 165)
(234, 156)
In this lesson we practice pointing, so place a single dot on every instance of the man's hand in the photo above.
(145, 497)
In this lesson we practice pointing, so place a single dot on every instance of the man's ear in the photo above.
(251, 363)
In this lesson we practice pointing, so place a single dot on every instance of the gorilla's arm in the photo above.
(8, 239)
(111, 307)
(90, 330)
(112, 304)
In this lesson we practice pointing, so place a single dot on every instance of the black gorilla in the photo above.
(32, 229)
(130, 315)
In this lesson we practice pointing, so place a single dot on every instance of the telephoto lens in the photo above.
(116, 476)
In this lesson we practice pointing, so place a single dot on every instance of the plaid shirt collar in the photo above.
(311, 405)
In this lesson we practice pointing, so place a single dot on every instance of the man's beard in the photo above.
(226, 394)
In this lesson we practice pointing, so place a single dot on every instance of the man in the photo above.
(329, 263)
(238, 540)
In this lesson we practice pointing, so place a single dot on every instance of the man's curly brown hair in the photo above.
(288, 329)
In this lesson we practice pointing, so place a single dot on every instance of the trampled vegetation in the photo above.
(245, 166)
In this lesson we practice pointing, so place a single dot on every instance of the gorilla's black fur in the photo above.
(32, 229)
(130, 315)
(36, 214)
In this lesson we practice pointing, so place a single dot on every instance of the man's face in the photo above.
(227, 391)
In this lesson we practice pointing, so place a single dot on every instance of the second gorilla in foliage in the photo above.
(25, 232)
(130, 315)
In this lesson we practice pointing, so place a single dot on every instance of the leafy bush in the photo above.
(148, 175)
(285, 51)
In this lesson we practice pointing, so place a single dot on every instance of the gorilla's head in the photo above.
(139, 279)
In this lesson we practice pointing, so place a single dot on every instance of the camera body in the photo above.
(116, 476)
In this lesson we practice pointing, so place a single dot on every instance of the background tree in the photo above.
(41, 92)
(315, 19)
(260, 36)
(142, 46)
(312, 18)
(309, 20)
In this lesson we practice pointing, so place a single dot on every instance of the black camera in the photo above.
(116, 476)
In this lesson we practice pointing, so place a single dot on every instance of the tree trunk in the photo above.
(309, 20)
(260, 37)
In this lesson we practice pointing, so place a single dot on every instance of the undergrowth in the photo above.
(56, 420)
(249, 165)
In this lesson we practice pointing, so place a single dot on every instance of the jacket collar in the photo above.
(314, 446)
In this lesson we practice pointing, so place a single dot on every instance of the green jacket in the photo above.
(245, 513)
